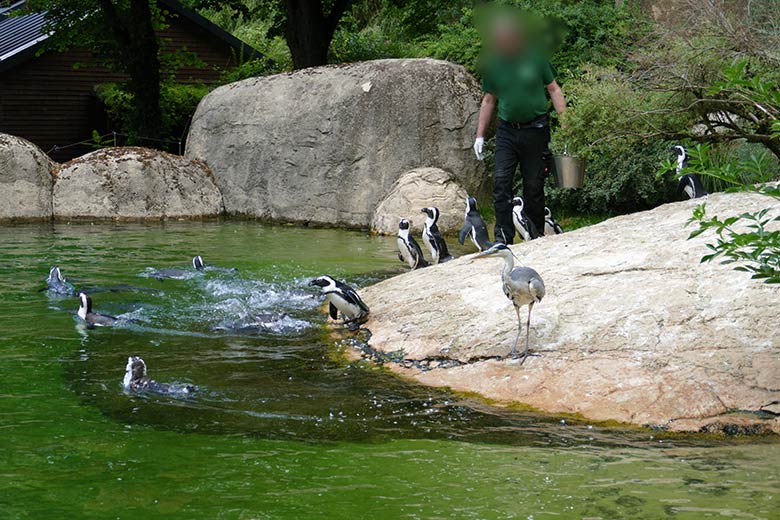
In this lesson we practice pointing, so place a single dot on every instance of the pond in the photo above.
(282, 425)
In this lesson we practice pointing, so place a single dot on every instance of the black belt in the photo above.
(539, 122)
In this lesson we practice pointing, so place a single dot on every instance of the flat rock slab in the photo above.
(135, 183)
(633, 327)
(25, 180)
(325, 145)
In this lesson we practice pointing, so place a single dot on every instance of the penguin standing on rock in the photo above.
(524, 226)
(409, 250)
(474, 227)
(342, 299)
(93, 319)
(551, 227)
(690, 184)
(432, 237)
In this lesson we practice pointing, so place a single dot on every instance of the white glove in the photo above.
(479, 144)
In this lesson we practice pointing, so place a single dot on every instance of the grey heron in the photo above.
(522, 285)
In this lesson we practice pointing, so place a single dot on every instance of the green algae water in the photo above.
(281, 426)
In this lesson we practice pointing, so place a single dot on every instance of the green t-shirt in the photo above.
(519, 83)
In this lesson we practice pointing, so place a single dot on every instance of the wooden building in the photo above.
(49, 97)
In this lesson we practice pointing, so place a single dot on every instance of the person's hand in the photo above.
(479, 145)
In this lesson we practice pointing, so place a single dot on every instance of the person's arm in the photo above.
(485, 116)
(556, 95)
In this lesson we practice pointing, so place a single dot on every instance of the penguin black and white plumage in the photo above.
(197, 263)
(474, 227)
(409, 250)
(342, 299)
(56, 283)
(551, 227)
(524, 226)
(93, 319)
(137, 380)
(433, 238)
(690, 184)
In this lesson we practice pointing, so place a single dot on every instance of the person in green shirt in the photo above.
(518, 78)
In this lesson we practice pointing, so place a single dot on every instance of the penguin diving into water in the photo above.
(409, 250)
(93, 319)
(551, 227)
(690, 184)
(342, 299)
(136, 380)
(57, 284)
(432, 237)
(474, 227)
(524, 226)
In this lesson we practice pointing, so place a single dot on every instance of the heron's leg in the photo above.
(527, 331)
(519, 329)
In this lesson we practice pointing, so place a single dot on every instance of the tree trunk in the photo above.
(309, 30)
(144, 69)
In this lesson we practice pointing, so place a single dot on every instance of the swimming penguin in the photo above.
(474, 227)
(690, 184)
(432, 237)
(199, 265)
(409, 250)
(551, 227)
(344, 299)
(93, 319)
(179, 274)
(524, 226)
(136, 380)
(57, 284)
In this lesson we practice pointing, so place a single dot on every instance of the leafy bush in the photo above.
(178, 103)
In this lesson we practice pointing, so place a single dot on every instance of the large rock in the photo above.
(134, 183)
(418, 189)
(325, 145)
(633, 327)
(25, 180)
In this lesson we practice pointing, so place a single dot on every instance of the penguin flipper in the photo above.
(333, 311)
(464, 232)
(400, 257)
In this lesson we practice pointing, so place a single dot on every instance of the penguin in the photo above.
(136, 380)
(342, 299)
(200, 266)
(690, 184)
(93, 319)
(56, 283)
(551, 227)
(432, 237)
(409, 250)
(179, 274)
(474, 227)
(524, 226)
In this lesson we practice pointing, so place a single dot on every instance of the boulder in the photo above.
(633, 327)
(134, 183)
(325, 145)
(25, 180)
(418, 189)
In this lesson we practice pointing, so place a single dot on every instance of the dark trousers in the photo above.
(524, 147)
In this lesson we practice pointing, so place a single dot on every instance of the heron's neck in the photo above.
(509, 264)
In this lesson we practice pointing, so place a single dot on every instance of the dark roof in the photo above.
(21, 34)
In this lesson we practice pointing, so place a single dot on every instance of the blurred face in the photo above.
(507, 37)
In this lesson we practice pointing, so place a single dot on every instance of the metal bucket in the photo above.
(569, 171)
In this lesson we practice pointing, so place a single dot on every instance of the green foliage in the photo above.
(178, 103)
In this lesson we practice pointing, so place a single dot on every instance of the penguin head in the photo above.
(471, 204)
(432, 213)
(518, 201)
(135, 370)
(85, 303)
(547, 212)
(403, 225)
(323, 282)
(197, 263)
(682, 156)
(55, 275)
